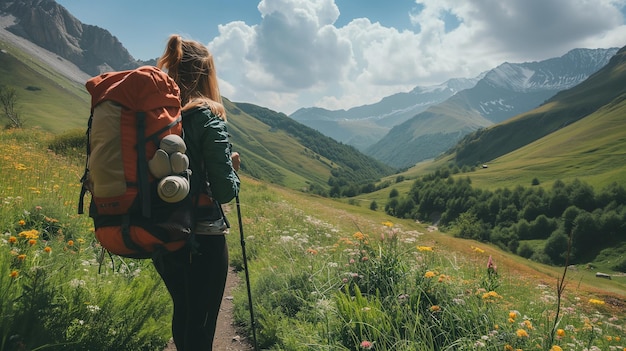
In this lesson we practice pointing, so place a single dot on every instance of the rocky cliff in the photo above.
(49, 25)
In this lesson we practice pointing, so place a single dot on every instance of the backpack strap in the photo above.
(84, 178)
(142, 165)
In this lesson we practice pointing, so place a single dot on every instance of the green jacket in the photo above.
(209, 148)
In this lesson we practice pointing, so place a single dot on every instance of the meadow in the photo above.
(325, 275)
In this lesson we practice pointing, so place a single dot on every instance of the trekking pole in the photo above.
(245, 268)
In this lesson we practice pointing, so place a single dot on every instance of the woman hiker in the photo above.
(195, 276)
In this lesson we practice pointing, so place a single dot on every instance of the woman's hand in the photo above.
(236, 160)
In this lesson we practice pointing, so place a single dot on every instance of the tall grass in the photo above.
(52, 295)
(325, 276)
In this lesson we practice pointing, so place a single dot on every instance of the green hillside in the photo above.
(44, 98)
(563, 109)
(286, 153)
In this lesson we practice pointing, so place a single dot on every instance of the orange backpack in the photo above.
(131, 112)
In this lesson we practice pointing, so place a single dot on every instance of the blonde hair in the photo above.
(191, 66)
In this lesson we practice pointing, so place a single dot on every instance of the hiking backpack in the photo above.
(135, 115)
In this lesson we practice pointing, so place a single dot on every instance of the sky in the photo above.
(338, 54)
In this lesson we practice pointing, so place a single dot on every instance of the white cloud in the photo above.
(297, 57)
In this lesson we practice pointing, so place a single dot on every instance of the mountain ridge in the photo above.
(503, 92)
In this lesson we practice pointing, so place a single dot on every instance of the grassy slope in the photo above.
(274, 152)
(592, 149)
(56, 104)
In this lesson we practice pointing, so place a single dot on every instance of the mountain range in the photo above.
(406, 128)
(483, 113)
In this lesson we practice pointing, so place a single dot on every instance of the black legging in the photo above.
(196, 283)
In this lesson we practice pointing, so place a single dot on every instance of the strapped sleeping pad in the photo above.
(131, 112)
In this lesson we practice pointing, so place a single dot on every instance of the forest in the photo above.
(534, 222)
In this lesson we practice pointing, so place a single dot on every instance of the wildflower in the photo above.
(508, 347)
(14, 274)
(435, 308)
(512, 315)
(560, 333)
(521, 333)
(491, 267)
(442, 278)
(528, 324)
(556, 348)
(70, 243)
(358, 236)
(429, 274)
(366, 345)
(388, 224)
(12, 239)
(32, 242)
(29, 234)
(21, 257)
(424, 248)
(311, 251)
(478, 249)
(596, 302)
(22, 222)
(47, 249)
(491, 294)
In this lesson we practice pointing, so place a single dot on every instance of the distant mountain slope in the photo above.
(506, 91)
(364, 125)
(607, 86)
(345, 161)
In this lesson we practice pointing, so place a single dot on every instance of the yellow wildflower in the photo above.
(29, 234)
(358, 236)
(435, 308)
(388, 224)
(478, 249)
(556, 348)
(14, 274)
(21, 257)
(508, 347)
(528, 324)
(596, 302)
(560, 332)
(429, 274)
(491, 294)
(22, 222)
(47, 249)
(12, 239)
(512, 315)
(70, 243)
(311, 251)
(424, 248)
(32, 242)
(521, 333)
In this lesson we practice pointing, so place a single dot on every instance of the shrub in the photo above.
(71, 142)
